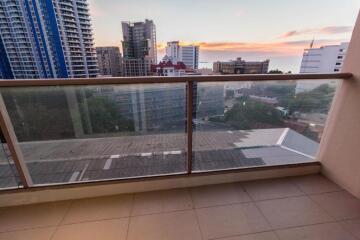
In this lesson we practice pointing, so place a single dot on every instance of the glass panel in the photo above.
(254, 124)
(85, 133)
(8, 174)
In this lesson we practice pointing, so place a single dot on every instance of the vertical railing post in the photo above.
(189, 123)
(11, 140)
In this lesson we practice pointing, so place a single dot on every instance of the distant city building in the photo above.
(240, 66)
(139, 48)
(189, 55)
(46, 39)
(110, 61)
(326, 59)
(205, 71)
(167, 68)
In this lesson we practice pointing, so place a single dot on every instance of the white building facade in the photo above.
(326, 59)
(189, 55)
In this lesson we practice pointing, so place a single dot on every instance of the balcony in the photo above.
(195, 157)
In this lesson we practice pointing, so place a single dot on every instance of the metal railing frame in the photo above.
(11, 139)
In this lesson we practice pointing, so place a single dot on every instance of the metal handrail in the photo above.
(181, 79)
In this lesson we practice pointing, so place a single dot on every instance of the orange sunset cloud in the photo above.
(280, 47)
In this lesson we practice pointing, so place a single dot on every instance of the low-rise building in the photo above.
(240, 66)
(167, 68)
(109, 61)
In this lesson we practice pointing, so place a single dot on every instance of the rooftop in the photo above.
(306, 207)
(74, 160)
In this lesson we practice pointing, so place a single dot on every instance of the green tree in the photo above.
(249, 114)
(229, 94)
(316, 100)
(38, 114)
(105, 116)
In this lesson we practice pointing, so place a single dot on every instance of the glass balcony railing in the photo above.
(69, 131)
(8, 173)
(84, 133)
(251, 124)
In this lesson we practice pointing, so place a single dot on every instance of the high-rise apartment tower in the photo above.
(46, 39)
(139, 47)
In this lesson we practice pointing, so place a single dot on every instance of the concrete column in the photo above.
(340, 147)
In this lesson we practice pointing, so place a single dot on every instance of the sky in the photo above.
(278, 30)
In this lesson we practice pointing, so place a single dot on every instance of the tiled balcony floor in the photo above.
(308, 207)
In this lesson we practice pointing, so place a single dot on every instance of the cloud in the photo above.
(329, 30)
(95, 10)
(285, 55)
(273, 48)
(240, 13)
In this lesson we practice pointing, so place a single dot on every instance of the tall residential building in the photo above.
(110, 61)
(189, 55)
(240, 66)
(46, 39)
(326, 59)
(139, 47)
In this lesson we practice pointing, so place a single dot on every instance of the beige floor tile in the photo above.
(147, 203)
(352, 226)
(32, 234)
(93, 209)
(231, 220)
(221, 194)
(340, 205)
(255, 236)
(271, 189)
(32, 216)
(163, 226)
(292, 212)
(115, 229)
(312, 184)
(328, 231)
(177, 199)
(161, 201)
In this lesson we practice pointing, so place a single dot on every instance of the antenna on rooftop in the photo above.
(312, 43)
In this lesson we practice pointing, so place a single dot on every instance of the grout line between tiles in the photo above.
(262, 214)
(273, 230)
(129, 221)
(241, 235)
(62, 219)
(317, 204)
(196, 215)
